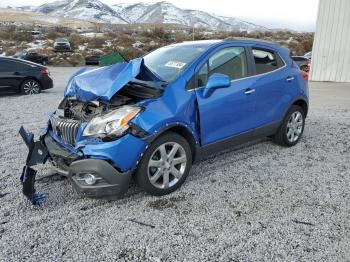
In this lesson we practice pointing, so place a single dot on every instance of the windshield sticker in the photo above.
(175, 64)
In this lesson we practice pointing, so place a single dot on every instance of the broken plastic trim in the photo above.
(28, 179)
(37, 154)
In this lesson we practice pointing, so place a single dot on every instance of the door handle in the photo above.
(290, 78)
(249, 91)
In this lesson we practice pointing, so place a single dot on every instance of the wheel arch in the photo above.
(183, 131)
(303, 104)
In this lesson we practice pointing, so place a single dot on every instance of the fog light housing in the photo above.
(89, 179)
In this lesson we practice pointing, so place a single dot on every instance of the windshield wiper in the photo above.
(151, 84)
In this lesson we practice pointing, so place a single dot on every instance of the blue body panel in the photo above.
(103, 82)
(225, 113)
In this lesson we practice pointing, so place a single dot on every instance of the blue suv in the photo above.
(153, 117)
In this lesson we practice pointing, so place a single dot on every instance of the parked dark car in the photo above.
(62, 44)
(92, 60)
(18, 75)
(308, 55)
(32, 56)
(302, 62)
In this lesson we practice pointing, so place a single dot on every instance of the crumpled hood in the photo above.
(102, 83)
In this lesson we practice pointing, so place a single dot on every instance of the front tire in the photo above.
(292, 127)
(30, 87)
(165, 165)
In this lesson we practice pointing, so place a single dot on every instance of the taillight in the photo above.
(304, 75)
(44, 71)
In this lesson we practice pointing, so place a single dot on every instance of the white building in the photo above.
(331, 49)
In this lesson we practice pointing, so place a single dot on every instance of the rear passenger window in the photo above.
(229, 61)
(12, 66)
(266, 61)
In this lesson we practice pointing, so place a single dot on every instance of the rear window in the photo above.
(266, 61)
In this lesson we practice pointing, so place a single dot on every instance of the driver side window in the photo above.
(229, 61)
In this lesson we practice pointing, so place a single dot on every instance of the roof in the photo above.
(20, 60)
(199, 43)
(249, 40)
(209, 43)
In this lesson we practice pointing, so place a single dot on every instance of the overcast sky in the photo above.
(293, 14)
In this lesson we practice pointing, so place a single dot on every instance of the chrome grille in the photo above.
(66, 129)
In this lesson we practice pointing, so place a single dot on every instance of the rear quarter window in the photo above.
(266, 61)
(12, 66)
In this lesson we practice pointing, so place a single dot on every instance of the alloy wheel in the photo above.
(167, 165)
(295, 126)
(31, 88)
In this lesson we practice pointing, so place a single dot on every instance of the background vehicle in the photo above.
(153, 117)
(22, 76)
(302, 62)
(92, 60)
(308, 55)
(62, 44)
(32, 56)
(36, 34)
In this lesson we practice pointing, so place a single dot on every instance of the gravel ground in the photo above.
(261, 202)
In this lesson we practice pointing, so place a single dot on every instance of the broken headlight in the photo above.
(112, 124)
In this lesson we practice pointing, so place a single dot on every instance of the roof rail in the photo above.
(250, 39)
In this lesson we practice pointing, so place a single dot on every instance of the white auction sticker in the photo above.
(175, 64)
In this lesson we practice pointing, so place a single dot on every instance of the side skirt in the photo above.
(235, 141)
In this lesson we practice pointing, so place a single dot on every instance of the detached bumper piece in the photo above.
(28, 180)
(37, 154)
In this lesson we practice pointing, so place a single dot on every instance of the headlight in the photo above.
(112, 124)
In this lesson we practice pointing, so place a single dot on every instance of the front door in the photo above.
(227, 111)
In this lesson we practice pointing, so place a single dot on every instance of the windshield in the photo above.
(169, 61)
(20, 54)
(62, 40)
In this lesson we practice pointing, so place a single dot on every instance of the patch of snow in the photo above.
(93, 35)
(138, 45)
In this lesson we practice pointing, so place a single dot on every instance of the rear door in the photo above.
(12, 74)
(228, 111)
(7, 80)
(274, 86)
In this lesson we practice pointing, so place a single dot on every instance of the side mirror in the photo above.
(216, 81)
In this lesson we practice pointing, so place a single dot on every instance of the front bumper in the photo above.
(110, 182)
(62, 48)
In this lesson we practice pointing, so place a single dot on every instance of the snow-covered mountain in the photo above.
(164, 12)
(161, 12)
(91, 10)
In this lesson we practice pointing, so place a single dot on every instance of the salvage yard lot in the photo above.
(260, 202)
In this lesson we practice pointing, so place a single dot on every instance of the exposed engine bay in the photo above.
(132, 93)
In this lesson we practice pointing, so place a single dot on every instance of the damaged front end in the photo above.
(90, 138)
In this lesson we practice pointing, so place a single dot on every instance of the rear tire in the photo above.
(30, 87)
(165, 165)
(292, 127)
